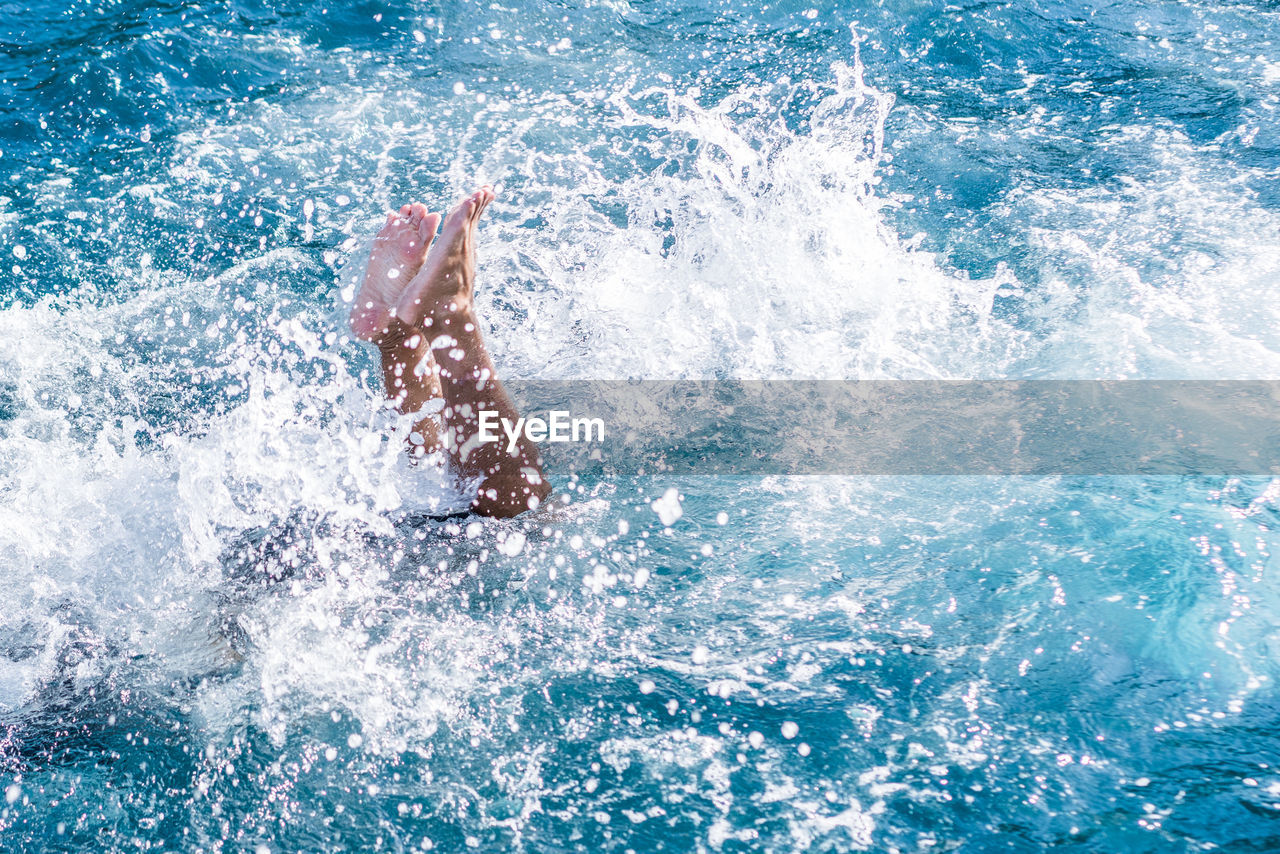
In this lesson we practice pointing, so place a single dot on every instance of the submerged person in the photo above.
(416, 304)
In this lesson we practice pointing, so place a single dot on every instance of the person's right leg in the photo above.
(439, 302)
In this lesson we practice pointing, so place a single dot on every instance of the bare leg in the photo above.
(438, 301)
(411, 379)
(408, 370)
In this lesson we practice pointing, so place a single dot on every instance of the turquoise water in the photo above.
(227, 623)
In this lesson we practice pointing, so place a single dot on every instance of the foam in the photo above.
(147, 437)
(117, 510)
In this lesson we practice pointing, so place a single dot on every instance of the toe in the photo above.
(427, 228)
(484, 196)
(405, 210)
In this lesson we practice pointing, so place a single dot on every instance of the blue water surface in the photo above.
(230, 623)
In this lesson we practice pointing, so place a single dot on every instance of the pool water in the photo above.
(231, 619)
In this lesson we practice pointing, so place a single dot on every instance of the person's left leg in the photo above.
(411, 379)
(408, 370)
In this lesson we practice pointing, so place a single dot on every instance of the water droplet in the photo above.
(512, 545)
(668, 507)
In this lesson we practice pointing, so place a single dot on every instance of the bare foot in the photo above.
(398, 253)
(446, 279)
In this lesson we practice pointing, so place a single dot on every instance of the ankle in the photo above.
(450, 315)
(399, 340)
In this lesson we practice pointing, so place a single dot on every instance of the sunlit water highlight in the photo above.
(228, 621)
